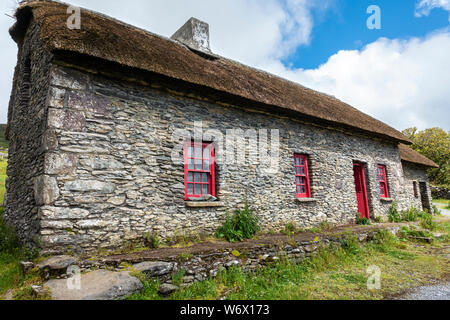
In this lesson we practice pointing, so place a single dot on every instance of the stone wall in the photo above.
(109, 178)
(199, 266)
(440, 192)
(415, 177)
(27, 122)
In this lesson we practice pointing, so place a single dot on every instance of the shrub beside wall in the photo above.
(440, 192)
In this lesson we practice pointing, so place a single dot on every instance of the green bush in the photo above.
(394, 215)
(438, 211)
(362, 221)
(243, 224)
(8, 237)
(378, 220)
(428, 223)
(289, 228)
(411, 215)
(407, 232)
(152, 240)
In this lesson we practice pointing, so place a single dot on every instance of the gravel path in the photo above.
(445, 212)
(435, 292)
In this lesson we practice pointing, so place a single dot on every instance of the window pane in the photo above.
(303, 189)
(190, 189)
(205, 178)
(206, 153)
(198, 152)
(198, 190)
(298, 180)
(190, 152)
(303, 180)
(198, 164)
(297, 161)
(299, 171)
(302, 161)
(198, 177)
(299, 190)
(303, 171)
(205, 189)
(206, 165)
(190, 177)
(191, 164)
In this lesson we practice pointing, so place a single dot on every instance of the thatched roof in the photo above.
(410, 155)
(114, 41)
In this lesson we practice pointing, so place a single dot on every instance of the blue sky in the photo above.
(343, 27)
(399, 74)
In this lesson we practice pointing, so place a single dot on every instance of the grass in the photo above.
(3, 142)
(336, 273)
(11, 277)
(3, 165)
(442, 203)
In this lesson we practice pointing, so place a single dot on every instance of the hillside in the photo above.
(3, 141)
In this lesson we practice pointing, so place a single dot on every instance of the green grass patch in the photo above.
(3, 166)
(338, 272)
(442, 203)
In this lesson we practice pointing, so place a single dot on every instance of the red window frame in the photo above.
(199, 170)
(302, 185)
(383, 181)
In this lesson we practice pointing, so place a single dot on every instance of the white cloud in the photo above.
(424, 7)
(401, 82)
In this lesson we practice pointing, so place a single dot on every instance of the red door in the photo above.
(361, 191)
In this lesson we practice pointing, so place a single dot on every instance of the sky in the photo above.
(399, 74)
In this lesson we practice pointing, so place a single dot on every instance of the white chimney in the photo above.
(195, 35)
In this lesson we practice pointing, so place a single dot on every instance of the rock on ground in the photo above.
(167, 288)
(57, 263)
(155, 268)
(97, 285)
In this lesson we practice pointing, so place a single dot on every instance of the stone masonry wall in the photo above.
(418, 174)
(109, 177)
(27, 122)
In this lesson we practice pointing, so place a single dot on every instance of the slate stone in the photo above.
(97, 285)
(26, 267)
(155, 269)
(166, 289)
(57, 263)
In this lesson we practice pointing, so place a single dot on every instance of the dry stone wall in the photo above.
(415, 177)
(27, 123)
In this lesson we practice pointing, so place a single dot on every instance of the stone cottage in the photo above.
(97, 114)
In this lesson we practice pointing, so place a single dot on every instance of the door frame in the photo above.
(361, 167)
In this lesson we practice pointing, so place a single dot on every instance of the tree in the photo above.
(433, 143)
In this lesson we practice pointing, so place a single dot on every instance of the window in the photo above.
(383, 181)
(302, 176)
(199, 170)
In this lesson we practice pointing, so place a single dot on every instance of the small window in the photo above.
(416, 190)
(302, 176)
(199, 170)
(383, 181)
